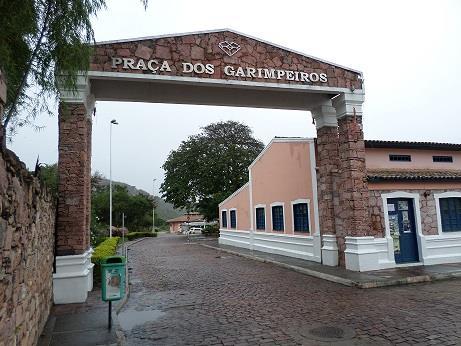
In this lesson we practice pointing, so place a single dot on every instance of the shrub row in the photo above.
(211, 230)
(135, 235)
(107, 248)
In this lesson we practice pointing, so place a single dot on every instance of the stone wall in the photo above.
(27, 218)
(427, 208)
(204, 48)
(2, 106)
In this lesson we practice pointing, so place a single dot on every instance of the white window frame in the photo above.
(265, 218)
(299, 201)
(276, 204)
(236, 219)
(437, 197)
(417, 212)
(227, 218)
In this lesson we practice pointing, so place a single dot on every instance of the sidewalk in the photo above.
(80, 324)
(372, 279)
(86, 323)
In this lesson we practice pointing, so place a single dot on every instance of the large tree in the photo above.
(137, 208)
(38, 40)
(209, 166)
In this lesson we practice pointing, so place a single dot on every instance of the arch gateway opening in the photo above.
(226, 68)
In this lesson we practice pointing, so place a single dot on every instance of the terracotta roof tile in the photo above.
(184, 218)
(411, 145)
(422, 174)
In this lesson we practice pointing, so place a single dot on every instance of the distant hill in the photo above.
(164, 210)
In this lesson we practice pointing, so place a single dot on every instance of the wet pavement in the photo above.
(372, 279)
(186, 294)
(84, 324)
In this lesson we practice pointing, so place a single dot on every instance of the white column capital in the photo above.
(81, 94)
(348, 104)
(324, 115)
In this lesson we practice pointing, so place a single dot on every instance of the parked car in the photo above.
(195, 230)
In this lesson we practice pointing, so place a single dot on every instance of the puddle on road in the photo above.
(131, 318)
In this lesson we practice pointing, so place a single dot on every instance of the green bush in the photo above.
(211, 230)
(107, 248)
(136, 235)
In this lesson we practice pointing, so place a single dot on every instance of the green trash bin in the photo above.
(113, 278)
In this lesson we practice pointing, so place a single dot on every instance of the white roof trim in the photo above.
(279, 140)
(235, 32)
(235, 194)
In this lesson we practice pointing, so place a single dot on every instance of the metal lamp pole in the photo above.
(153, 205)
(112, 122)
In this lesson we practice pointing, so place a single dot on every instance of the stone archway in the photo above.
(226, 68)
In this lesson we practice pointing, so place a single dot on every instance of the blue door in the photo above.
(403, 231)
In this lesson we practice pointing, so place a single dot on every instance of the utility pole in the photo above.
(112, 122)
(123, 234)
(153, 205)
(123, 228)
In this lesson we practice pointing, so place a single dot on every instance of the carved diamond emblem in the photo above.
(230, 48)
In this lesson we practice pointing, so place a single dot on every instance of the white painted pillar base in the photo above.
(317, 248)
(361, 254)
(73, 278)
(330, 250)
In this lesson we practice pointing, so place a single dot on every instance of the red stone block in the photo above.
(123, 52)
(197, 53)
(162, 52)
(143, 52)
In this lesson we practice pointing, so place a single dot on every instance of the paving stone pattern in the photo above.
(210, 298)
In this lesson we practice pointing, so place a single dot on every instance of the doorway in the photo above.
(402, 226)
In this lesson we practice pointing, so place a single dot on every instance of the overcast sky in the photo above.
(409, 52)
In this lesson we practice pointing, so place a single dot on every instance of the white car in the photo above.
(195, 230)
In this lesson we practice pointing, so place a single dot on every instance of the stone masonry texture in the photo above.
(72, 229)
(2, 104)
(27, 223)
(327, 163)
(203, 48)
(353, 188)
(426, 205)
(199, 296)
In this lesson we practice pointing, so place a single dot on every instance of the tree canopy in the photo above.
(209, 166)
(40, 39)
(137, 208)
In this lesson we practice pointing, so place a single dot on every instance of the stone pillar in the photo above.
(2, 108)
(73, 278)
(353, 235)
(327, 164)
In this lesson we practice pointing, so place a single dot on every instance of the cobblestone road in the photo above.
(198, 296)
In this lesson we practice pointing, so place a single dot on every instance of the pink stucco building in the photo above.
(184, 222)
(414, 206)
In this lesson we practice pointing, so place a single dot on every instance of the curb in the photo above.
(127, 284)
(346, 282)
(121, 339)
(410, 280)
(309, 272)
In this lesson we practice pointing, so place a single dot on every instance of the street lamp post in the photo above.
(153, 205)
(112, 122)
